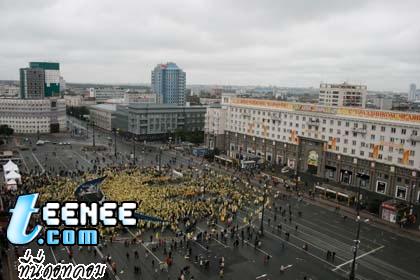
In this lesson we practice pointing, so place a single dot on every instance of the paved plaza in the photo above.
(299, 242)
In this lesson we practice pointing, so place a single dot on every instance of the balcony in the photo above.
(314, 122)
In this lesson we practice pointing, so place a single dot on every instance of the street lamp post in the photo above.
(93, 133)
(263, 210)
(115, 141)
(160, 159)
(134, 150)
(356, 241)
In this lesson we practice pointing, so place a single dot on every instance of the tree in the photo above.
(6, 130)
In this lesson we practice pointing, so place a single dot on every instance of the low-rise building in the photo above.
(152, 121)
(101, 115)
(139, 97)
(210, 101)
(34, 115)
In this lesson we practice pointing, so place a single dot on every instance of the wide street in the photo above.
(381, 255)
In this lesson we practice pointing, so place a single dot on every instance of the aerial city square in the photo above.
(209, 140)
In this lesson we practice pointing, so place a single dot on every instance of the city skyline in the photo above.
(299, 44)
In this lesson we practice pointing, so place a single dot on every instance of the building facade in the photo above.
(156, 120)
(33, 115)
(169, 84)
(342, 95)
(101, 115)
(9, 91)
(141, 97)
(378, 150)
(32, 83)
(40, 80)
(214, 128)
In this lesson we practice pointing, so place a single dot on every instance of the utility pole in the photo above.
(134, 150)
(93, 133)
(297, 166)
(160, 159)
(357, 241)
(115, 142)
(263, 209)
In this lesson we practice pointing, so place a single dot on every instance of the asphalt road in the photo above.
(381, 255)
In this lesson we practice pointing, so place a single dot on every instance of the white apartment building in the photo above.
(214, 127)
(73, 100)
(31, 116)
(342, 95)
(9, 91)
(139, 97)
(338, 143)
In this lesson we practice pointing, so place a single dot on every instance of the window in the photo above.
(380, 187)
(401, 192)
(418, 197)
(393, 130)
(403, 131)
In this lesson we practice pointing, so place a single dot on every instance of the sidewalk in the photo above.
(374, 220)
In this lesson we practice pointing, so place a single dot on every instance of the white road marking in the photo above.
(24, 161)
(37, 161)
(81, 157)
(108, 265)
(224, 245)
(361, 256)
(52, 252)
(150, 251)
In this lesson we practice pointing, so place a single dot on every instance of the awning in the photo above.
(343, 195)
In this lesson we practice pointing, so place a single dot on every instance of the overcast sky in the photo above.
(255, 42)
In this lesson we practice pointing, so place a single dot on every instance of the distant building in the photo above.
(102, 94)
(154, 121)
(62, 84)
(139, 97)
(412, 93)
(40, 80)
(380, 102)
(169, 84)
(73, 100)
(101, 115)
(342, 95)
(32, 83)
(210, 101)
(9, 91)
(33, 115)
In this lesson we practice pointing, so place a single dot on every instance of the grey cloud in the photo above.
(290, 43)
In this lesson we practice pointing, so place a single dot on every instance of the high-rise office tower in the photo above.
(40, 80)
(168, 83)
(32, 82)
(412, 93)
